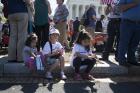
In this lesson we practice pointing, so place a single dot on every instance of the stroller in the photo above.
(5, 36)
(5, 40)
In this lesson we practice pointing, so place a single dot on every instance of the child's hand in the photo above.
(92, 56)
(61, 51)
(57, 52)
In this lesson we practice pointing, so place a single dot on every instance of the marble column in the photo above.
(70, 11)
(77, 10)
(83, 9)
(96, 9)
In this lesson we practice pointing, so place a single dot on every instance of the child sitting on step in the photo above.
(53, 52)
(82, 55)
(30, 52)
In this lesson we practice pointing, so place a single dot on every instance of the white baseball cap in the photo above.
(54, 31)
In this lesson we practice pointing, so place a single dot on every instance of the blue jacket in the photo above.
(131, 14)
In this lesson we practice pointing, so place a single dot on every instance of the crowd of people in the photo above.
(33, 33)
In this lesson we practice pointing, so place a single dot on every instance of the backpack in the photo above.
(85, 19)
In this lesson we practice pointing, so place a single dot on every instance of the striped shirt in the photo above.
(61, 13)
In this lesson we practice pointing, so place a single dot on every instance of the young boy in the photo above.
(53, 52)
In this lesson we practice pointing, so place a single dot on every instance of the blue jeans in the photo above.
(129, 40)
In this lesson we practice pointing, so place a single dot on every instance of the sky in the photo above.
(54, 5)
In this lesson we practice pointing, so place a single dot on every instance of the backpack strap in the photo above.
(51, 46)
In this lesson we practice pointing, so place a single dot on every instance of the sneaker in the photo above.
(63, 76)
(49, 75)
(78, 77)
(88, 77)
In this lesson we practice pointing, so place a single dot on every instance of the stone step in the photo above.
(1, 69)
(102, 68)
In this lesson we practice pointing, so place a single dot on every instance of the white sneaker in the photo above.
(63, 76)
(49, 75)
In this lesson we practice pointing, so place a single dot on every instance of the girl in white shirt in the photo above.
(82, 55)
(53, 52)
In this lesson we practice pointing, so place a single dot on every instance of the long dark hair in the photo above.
(83, 35)
(30, 39)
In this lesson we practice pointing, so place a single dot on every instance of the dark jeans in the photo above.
(43, 35)
(113, 31)
(74, 36)
(129, 40)
(77, 63)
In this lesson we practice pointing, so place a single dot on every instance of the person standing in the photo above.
(41, 20)
(18, 19)
(129, 32)
(91, 17)
(31, 12)
(60, 19)
(1, 26)
(99, 24)
(113, 30)
(76, 25)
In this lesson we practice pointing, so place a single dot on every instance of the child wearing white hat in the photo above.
(53, 52)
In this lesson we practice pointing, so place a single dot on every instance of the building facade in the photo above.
(1, 7)
(78, 7)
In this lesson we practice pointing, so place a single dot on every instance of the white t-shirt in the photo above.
(55, 47)
(80, 49)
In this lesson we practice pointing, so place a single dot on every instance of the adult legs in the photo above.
(62, 27)
(110, 41)
(38, 33)
(45, 34)
(22, 34)
(12, 48)
(126, 33)
(133, 44)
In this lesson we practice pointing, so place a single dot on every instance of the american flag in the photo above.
(107, 1)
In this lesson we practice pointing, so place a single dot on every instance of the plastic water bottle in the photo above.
(39, 64)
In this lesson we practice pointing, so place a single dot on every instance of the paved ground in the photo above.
(104, 85)
(119, 84)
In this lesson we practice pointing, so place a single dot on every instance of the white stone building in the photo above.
(1, 7)
(78, 7)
